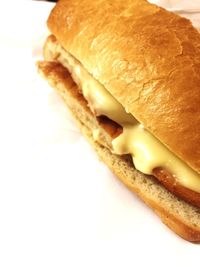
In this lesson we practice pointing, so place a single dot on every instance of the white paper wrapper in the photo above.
(60, 206)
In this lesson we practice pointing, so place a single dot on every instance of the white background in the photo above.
(60, 206)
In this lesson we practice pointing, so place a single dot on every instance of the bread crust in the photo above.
(182, 218)
(149, 60)
(53, 52)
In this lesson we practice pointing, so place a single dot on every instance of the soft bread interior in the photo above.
(181, 217)
(152, 53)
(53, 51)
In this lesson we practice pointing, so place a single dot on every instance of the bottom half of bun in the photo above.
(178, 215)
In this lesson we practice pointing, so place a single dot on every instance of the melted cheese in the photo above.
(147, 151)
(101, 102)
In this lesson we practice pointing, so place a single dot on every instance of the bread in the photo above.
(54, 52)
(180, 216)
(143, 82)
(151, 52)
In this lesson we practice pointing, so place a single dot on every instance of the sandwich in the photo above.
(129, 72)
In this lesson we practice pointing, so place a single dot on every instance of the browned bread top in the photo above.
(147, 57)
(107, 129)
(180, 216)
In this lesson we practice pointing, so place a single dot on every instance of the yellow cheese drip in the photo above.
(147, 151)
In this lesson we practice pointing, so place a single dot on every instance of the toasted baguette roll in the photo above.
(181, 217)
(54, 52)
(146, 57)
(143, 63)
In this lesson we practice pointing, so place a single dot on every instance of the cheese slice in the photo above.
(147, 151)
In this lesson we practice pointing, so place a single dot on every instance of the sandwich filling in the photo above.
(147, 152)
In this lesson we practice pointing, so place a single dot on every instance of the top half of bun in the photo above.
(149, 60)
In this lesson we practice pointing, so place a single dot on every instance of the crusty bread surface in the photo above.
(54, 52)
(181, 217)
(149, 60)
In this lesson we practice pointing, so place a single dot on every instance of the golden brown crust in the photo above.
(175, 223)
(113, 130)
(181, 217)
(147, 57)
(51, 52)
